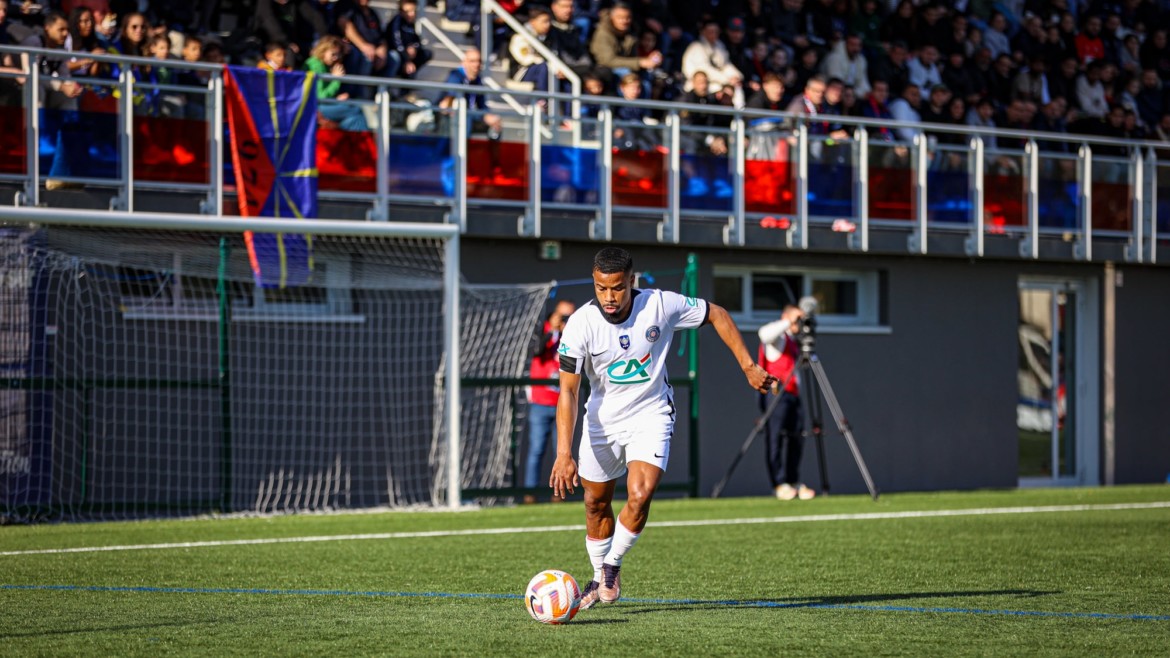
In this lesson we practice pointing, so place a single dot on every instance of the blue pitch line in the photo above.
(458, 595)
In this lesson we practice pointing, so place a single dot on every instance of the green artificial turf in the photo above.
(1078, 583)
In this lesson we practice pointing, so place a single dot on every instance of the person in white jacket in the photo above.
(847, 63)
(709, 55)
(527, 64)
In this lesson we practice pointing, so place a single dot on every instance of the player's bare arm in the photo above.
(564, 471)
(757, 377)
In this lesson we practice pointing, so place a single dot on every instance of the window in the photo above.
(845, 298)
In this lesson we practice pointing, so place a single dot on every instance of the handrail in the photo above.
(428, 26)
(554, 63)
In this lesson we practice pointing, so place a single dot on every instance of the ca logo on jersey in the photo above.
(630, 371)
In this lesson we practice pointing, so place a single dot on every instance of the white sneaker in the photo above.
(786, 492)
(805, 493)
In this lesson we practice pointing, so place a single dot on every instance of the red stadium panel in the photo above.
(13, 154)
(346, 161)
(170, 150)
(1003, 202)
(497, 170)
(891, 193)
(768, 187)
(639, 178)
(1112, 207)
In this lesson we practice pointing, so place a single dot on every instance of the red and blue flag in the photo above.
(273, 121)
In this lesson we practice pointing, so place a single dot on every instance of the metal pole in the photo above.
(459, 148)
(733, 234)
(1108, 379)
(1152, 162)
(1084, 248)
(861, 188)
(691, 278)
(532, 217)
(1136, 250)
(451, 347)
(975, 240)
(917, 239)
(381, 208)
(225, 388)
(32, 188)
(125, 199)
(215, 161)
(599, 228)
(668, 230)
(801, 238)
(1030, 246)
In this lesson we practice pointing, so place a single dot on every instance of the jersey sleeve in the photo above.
(573, 348)
(685, 312)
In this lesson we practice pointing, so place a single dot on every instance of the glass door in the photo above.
(1048, 413)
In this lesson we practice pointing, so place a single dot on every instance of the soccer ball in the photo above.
(552, 597)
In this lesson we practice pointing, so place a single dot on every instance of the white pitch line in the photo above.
(811, 518)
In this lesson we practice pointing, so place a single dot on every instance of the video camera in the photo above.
(807, 332)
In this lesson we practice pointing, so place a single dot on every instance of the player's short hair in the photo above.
(612, 260)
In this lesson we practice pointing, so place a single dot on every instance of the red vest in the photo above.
(781, 368)
(546, 366)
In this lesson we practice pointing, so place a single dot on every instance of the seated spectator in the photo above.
(614, 47)
(847, 63)
(955, 114)
(1130, 58)
(567, 40)
(1031, 41)
(875, 107)
(899, 27)
(83, 40)
(1150, 101)
(1063, 80)
(709, 55)
(934, 110)
(275, 58)
(905, 109)
(867, 25)
(1090, 47)
(923, 68)
(769, 97)
(468, 74)
(630, 138)
(295, 22)
(367, 52)
(1051, 119)
(701, 94)
(1018, 115)
(959, 79)
(807, 67)
(1161, 131)
(403, 39)
(893, 69)
(982, 115)
(1155, 54)
(792, 25)
(528, 65)
(325, 58)
(1031, 84)
(757, 65)
(1091, 92)
(1001, 80)
(995, 36)
(735, 40)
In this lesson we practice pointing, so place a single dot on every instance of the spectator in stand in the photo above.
(403, 40)
(931, 27)
(982, 115)
(630, 138)
(325, 58)
(295, 22)
(1031, 41)
(999, 83)
(614, 46)
(709, 55)
(468, 74)
(1018, 115)
(874, 107)
(1155, 54)
(758, 18)
(542, 399)
(1063, 81)
(1057, 47)
(132, 37)
(527, 64)
(995, 36)
(959, 79)
(893, 68)
(566, 39)
(934, 110)
(367, 52)
(900, 26)
(1091, 92)
(83, 39)
(792, 25)
(1151, 98)
(757, 65)
(847, 63)
(1031, 83)
(192, 48)
(701, 94)
(807, 67)
(1051, 119)
(1130, 59)
(1090, 47)
(57, 95)
(1112, 34)
(770, 96)
(738, 46)
(956, 41)
(10, 93)
(275, 58)
(866, 23)
(924, 70)
(905, 109)
(159, 102)
(655, 16)
(1161, 132)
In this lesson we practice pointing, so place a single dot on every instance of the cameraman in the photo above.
(779, 354)
(542, 407)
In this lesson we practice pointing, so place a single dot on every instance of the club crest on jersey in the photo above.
(630, 371)
(653, 333)
(624, 341)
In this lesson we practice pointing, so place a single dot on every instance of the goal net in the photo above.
(144, 372)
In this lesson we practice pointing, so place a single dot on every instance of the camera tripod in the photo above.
(815, 389)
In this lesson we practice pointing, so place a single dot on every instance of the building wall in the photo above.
(931, 401)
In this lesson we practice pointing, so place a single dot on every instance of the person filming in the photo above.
(779, 354)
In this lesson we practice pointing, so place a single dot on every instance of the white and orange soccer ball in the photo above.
(552, 597)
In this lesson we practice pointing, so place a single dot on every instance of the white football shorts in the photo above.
(604, 458)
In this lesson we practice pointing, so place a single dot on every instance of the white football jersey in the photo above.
(626, 362)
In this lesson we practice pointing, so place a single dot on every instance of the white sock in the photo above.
(623, 540)
(597, 549)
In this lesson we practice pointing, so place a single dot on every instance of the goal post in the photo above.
(145, 372)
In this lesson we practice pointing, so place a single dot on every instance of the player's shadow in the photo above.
(826, 601)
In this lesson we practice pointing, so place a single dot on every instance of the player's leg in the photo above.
(600, 464)
(646, 460)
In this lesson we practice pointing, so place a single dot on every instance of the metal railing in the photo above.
(801, 159)
(490, 8)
